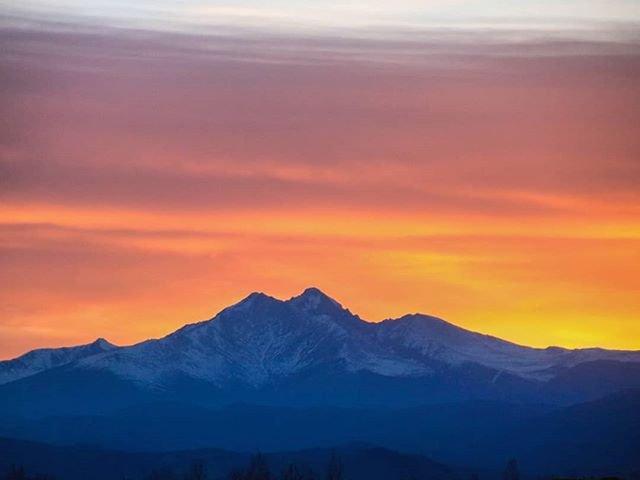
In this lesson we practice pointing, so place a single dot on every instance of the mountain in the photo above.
(42, 359)
(359, 462)
(309, 350)
(281, 375)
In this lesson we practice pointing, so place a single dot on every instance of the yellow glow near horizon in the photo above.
(133, 275)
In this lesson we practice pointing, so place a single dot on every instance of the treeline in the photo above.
(19, 473)
(257, 469)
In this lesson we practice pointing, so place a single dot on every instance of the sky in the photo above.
(476, 160)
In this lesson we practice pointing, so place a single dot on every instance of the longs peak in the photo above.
(311, 345)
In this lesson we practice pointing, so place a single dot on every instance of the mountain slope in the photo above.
(435, 338)
(43, 359)
(600, 437)
(431, 429)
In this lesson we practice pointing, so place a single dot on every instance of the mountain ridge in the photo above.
(310, 348)
(41, 359)
(312, 291)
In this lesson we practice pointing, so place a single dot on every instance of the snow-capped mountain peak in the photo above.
(263, 341)
(252, 299)
(103, 344)
(315, 303)
(314, 300)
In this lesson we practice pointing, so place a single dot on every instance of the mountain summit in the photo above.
(313, 299)
(311, 350)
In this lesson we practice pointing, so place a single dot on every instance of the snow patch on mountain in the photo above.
(43, 359)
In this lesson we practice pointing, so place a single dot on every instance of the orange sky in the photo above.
(149, 179)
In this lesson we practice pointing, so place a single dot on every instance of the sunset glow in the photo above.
(159, 164)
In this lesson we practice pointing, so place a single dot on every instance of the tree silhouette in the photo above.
(236, 475)
(292, 473)
(258, 469)
(19, 473)
(511, 471)
(334, 469)
(16, 473)
(162, 474)
(196, 472)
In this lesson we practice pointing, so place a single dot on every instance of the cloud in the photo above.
(143, 118)
(303, 16)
